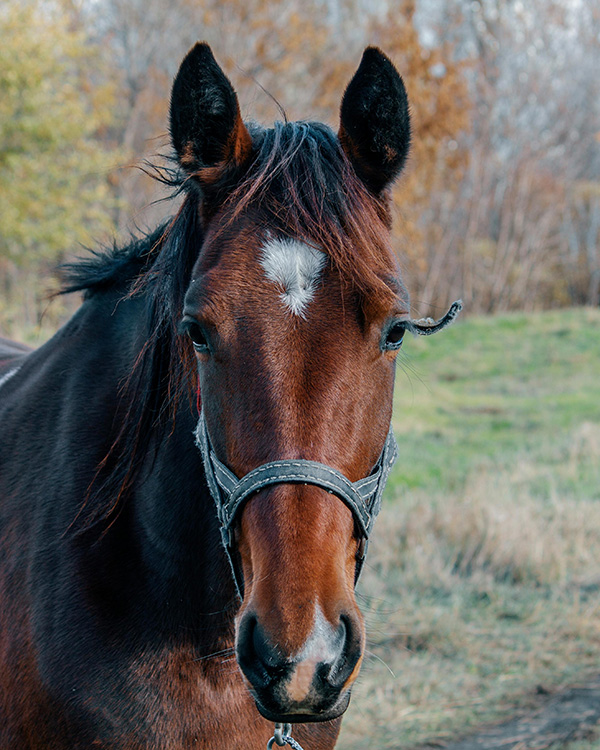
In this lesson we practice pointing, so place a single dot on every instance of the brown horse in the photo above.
(156, 596)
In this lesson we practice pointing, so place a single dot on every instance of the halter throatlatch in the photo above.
(229, 493)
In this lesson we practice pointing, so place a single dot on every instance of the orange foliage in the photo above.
(440, 112)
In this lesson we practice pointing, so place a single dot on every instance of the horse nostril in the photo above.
(257, 658)
(349, 649)
(245, 648)
(343, 630)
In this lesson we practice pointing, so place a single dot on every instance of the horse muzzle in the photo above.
(312, 685)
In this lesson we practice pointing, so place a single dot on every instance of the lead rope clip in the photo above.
(283, 736)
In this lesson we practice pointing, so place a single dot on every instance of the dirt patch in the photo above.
(569, 715)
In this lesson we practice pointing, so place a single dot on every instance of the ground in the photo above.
(482, 589)
(569, 720)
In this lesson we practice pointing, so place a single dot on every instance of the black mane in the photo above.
(113, 266)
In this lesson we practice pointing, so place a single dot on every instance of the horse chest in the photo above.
(173, 702)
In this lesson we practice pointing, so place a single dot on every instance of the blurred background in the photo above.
(482, 586)
(499, 205)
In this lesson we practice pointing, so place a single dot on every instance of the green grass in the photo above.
(484, 391)
(484, 576)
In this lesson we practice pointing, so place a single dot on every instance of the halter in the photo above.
(362, 497)
(229, 493)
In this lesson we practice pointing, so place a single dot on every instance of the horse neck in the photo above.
(165, 529)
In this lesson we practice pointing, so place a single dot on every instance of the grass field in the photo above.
(483, 580)
(482, 585)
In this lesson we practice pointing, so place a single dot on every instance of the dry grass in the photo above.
(472, 601)
(593, 743)
(499, 527)
(477, 595)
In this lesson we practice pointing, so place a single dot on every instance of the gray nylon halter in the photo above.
(229, 493)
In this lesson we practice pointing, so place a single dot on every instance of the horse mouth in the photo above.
(271, 710)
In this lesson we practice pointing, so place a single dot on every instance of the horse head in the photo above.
(296, 312)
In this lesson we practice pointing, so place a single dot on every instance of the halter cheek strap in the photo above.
(229, 493)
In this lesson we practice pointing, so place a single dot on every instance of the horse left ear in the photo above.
(375, 121)
(207, 130)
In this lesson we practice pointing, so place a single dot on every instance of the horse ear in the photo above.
(375, 121)
(207, 130)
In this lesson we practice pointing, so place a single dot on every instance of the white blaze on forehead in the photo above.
(296, 268)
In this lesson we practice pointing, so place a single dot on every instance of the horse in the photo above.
(191, 467)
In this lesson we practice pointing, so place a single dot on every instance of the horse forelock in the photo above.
(301, 185)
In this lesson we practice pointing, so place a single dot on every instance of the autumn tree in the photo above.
(499, 202)
(529, 198)
(424, 196)
(54, 193)
(441, 112)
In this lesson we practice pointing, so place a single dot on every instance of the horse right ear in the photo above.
(375, 121)
(207, 130)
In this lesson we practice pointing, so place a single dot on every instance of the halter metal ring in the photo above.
(283, 736)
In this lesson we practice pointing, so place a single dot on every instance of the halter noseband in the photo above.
(229, 493)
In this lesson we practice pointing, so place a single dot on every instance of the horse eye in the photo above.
(195, 332)
(393, 337)
(198, 338)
